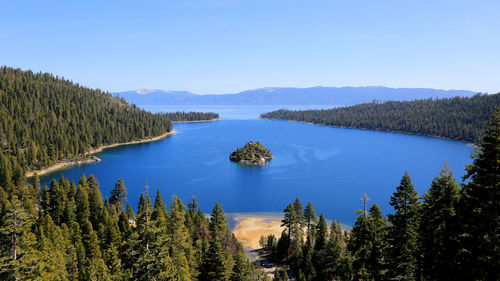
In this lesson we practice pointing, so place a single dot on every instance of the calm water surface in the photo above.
(331, 167)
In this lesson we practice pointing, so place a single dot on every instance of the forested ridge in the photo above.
(45, 119)
(459, 118)
(448, 233)
(180, 116)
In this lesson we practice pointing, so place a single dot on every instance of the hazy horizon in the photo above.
(277, 87)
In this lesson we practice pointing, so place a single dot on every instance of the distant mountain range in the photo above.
(290, 96)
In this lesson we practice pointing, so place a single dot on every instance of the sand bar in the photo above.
(248, 229)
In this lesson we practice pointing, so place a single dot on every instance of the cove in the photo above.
(331, 167)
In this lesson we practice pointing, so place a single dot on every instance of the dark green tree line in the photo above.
(459, 118)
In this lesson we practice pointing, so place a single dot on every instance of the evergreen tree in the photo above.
(241, 268)
(218, 223)
(310, 218)
(130, 213)
(336, 263)
(360, 247)
(17, 242)
(320, 248)
(180, 249)
(376, 264)
(299, 211)
(82, 205)
(438, 228)
(51, 245)
(403, 234)
(321, 234)
(289, 218)
(95, 200)
(216, 263)
(119, 195)
(479, 209)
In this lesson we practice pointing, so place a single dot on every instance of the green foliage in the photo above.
(104, 243)
(118, 196)
(377, 235)
(367, 245)
(438, 228)
(478, 210)
(251, 154)
(180, 116)
(460, 118)
(46, 119)
(402, 235)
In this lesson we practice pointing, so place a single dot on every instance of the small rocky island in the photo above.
(253, 153)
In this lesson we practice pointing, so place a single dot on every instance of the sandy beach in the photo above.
(249, 229)
(65, 164)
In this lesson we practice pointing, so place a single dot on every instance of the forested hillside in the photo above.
(459, 118)
(445, 234)
(45, 119)
(70, 233)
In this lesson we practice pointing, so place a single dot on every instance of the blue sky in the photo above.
(224, 46)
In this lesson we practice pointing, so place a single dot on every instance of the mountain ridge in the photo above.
(347, 95)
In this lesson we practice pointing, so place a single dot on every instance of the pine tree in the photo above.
(57, 202)
(479, 209)
(376, 264)
(5, 172)
(241, 267)
(320, 248)
(438, 228)
(82, 205)
(360, 247)
(307, 262)
(180, 246)
(130, 213)
(321, 234)
(147, 233)
(51, 245)
(336, 264)
(216, 263)
(95, 200)
(310, 218)
(119, 195)
(403, 234)
(159, 209)
(289, 221)
(299, 211)
(218, 223)
(17, 241)
(111, 242)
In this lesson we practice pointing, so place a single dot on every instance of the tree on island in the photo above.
(253, 153)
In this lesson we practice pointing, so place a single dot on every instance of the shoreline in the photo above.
(197, 121)
(375, 130)
(93, 159)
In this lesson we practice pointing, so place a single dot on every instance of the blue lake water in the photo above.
(331, 167)
(231, 111)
